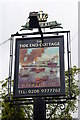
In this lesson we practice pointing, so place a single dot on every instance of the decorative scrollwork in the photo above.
(62, 106)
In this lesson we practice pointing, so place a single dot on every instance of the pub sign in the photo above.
(39, 67)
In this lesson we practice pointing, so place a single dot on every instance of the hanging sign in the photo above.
(39, 67)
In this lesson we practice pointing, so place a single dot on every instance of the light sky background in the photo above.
(14, 13)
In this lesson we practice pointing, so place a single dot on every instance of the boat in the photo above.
(37, 70)
(44, 78)
(26, 75)
(52, 72)
(33, 69)
(51, 64)
(40, 70)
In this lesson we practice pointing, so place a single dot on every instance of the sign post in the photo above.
(39, 112)
(39, 65)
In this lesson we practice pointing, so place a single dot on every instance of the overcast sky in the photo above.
(14, 13)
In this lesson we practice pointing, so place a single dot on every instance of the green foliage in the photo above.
(11, 110)
(54, 111)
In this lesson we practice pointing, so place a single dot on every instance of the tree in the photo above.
(11, 110)
(54, 110)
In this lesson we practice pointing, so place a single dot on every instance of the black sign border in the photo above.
(60, 91)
